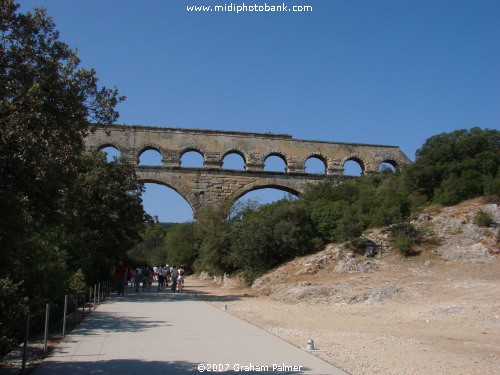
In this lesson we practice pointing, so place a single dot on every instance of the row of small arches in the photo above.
(234, 161)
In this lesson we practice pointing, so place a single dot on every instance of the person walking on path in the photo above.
(167, 275)
(137, 284)
(120, 278)
(146, 279)
(180, 279)
(131, 272)
(174, 279)
(161, 278)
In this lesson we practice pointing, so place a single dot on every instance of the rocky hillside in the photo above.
(370, 310)
(344, 274)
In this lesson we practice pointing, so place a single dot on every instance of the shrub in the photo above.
(483, 219)
(76, 282)
(405, 236)
(250, 275)
(363, 246)
(13, 310)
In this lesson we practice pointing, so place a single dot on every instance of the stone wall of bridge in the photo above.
(204, 187)
(254, 148)
(212, 184)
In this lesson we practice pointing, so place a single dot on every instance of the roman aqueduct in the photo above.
(211, 184)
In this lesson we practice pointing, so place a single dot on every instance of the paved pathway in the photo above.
(167, 333)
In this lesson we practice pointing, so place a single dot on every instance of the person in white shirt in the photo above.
(161, 278)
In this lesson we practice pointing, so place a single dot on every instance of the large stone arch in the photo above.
(181, 189)
(286, 186)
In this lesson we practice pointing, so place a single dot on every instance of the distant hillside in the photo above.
(168, 226)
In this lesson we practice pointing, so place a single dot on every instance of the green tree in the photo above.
(180, 246)
(342, 212)
(47, 106)
(12, 309)
(212, 232)
(326, 216)
(390, 202)
(268, 236)
(104, 215)
(451, 167)
(350, 226)
(149, 249)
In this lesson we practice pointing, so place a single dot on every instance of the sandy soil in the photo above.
(429, 314)
(444, 321)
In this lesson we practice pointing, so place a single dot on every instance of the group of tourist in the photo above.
(147, 275)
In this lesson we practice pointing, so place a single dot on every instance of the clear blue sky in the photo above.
(386, 72)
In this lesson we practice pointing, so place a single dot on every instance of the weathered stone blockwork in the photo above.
(212, 184)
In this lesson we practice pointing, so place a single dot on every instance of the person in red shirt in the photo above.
(120, 277)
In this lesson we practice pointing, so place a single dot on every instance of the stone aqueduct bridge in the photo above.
(212, 184)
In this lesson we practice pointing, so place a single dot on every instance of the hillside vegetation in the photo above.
(377, 311)
(449, 234)
(450, 168)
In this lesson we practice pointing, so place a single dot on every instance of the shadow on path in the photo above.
(194, 292)
(109, 321)
(131, 366)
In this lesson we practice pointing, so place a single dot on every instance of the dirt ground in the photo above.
(434, 313)
(430, 314)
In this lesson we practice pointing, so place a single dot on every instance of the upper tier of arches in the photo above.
(253, 150)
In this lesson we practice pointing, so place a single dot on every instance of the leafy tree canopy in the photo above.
(66, 217)
(47, 104)
(150, 249)
(454, 166)
(180, 246)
